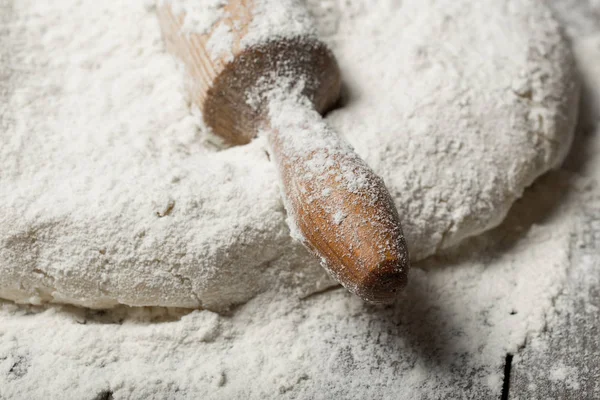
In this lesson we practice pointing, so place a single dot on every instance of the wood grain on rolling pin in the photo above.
(337, 206)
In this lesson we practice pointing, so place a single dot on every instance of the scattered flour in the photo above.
(445, 338)
(561, 361)
(461, 314)
(271, 20)
(277, 19)
(220, 43)
(199, 15)
(566, 375)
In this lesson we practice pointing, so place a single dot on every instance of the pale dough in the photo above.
(110, 194)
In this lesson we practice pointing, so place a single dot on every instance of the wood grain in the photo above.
(364, 249)
(353, 228)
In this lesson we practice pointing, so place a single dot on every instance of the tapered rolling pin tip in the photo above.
(383, 282)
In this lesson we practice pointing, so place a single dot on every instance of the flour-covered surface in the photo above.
(112, 195)
(110, 192)
(198, 16)
(447, 335)
(562, 362)
(531, 282)
(452, 104)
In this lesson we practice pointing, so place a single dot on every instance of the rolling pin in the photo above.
(258, 68)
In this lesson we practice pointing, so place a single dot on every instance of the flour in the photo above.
(451, 329)
(271, 20)
(278, 19)
(104, 166)
(151, 168)
(122, 201)
(566, 375)
(198, 16)
(220, 43)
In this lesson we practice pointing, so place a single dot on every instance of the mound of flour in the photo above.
(112, 192)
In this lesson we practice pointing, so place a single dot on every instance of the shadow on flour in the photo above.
(113, 316)
(420, 327)
(539, 203)
(423, 323)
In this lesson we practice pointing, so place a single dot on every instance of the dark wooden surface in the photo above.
(564, 361)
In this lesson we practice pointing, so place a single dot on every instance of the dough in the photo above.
(111, 195)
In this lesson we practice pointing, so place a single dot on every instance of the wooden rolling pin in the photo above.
(259, 69)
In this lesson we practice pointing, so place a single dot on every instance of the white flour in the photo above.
(271, 20)
(199, 16)
(121, 201)
(274, 19)
(448, 334)
(220, 43)
(451, 329)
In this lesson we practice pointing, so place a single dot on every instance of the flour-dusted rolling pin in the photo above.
(256, 67)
